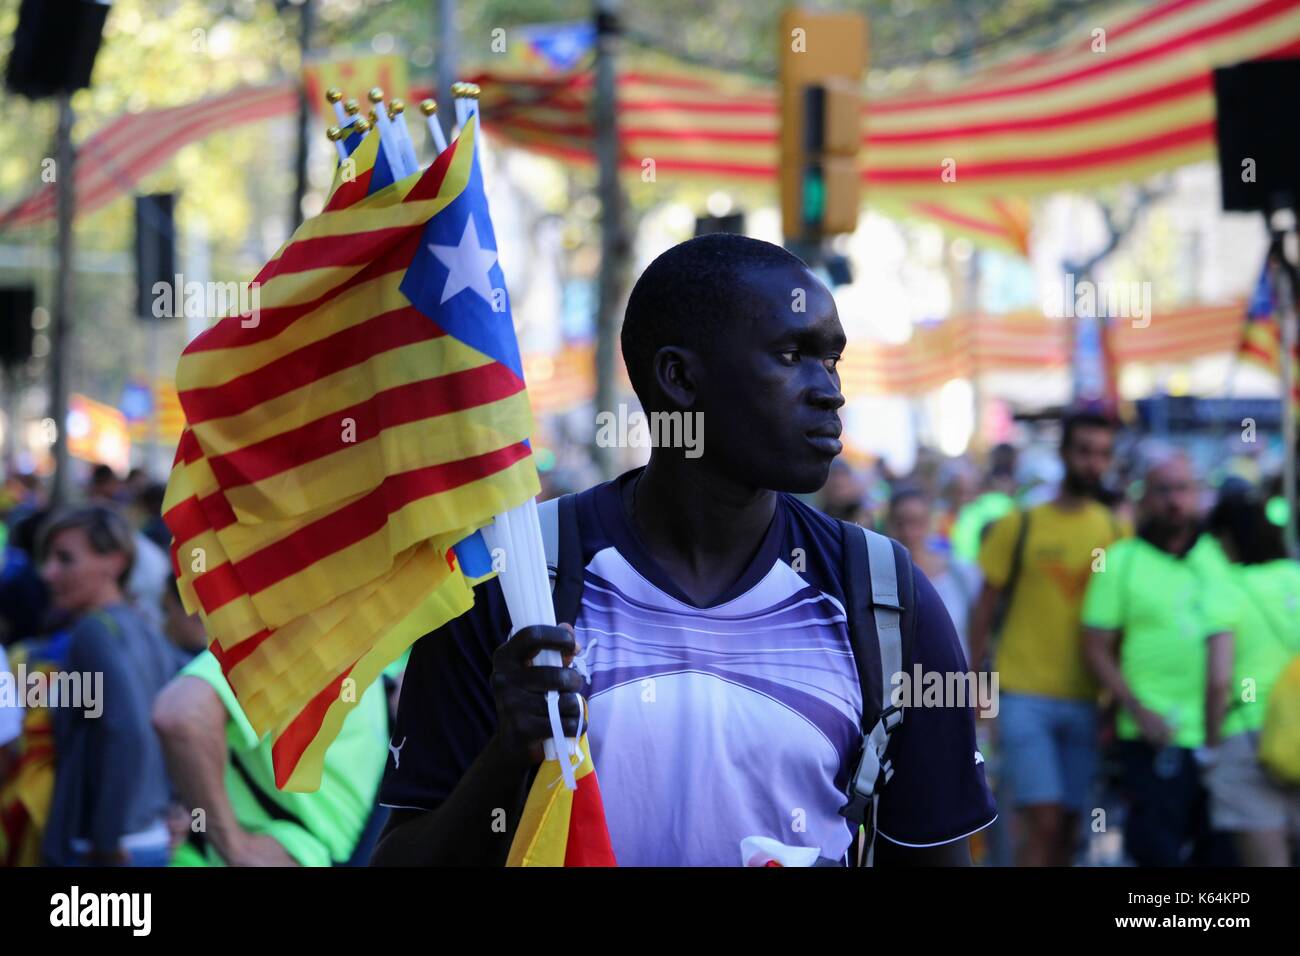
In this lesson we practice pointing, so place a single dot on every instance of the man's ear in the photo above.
(677, 374)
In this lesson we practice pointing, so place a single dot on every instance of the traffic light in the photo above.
(823, 56)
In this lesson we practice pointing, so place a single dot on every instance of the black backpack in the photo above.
(876, 570)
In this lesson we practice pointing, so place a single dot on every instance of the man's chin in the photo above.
(1084, 489)
(804, 478)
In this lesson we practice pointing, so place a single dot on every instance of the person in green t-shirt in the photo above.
(1146, 622)
(218, 764)
(1262, 601)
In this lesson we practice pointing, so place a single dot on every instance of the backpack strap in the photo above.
(881, 638)
(1008, 593)
(563, 548)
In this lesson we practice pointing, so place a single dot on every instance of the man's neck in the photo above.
(702, 528)
(1068, 500)
(1177, 542)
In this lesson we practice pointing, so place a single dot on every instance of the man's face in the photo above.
(771, 392)
(1087, 458)
(909, 522)
(1171, 496)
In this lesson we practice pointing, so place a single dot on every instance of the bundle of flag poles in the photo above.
(347, 443)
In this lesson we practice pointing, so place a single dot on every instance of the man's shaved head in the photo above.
(1171, 494)
(691, 296)
(741, 334)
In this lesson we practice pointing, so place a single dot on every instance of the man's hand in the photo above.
(1152, 726)
(256, 849)
(520, 689)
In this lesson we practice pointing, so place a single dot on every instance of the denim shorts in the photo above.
(1048, 749)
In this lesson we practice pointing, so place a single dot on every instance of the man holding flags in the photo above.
(711, 643)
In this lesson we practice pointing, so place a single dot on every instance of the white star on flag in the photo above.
(467, 264)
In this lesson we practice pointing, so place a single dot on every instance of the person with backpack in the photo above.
(1037, 564)
(736, 648)
(1253, 797)
(1148, 618)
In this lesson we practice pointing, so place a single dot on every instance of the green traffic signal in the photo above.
(814, 196)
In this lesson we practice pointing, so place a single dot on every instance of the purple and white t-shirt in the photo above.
(708, 724)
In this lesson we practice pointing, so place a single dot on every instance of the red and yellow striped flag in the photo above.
(563, 827)
(341, 441)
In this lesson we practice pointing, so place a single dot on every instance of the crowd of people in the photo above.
(1138, 636)
(121, 742)
(1137, 633)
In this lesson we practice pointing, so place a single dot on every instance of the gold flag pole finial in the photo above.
(362, 125)
(395, 108)
(376, 94)
(352, 107)
(336, 136)
(428, 107)
(335, 97)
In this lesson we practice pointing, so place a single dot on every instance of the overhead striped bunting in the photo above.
(1095, 109)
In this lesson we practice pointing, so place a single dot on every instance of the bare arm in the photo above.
(1101, 653)
(473, 827)
(190, 720)
(1218, 685)
(477, 821)
(981, 625)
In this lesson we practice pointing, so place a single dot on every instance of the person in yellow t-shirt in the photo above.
(1037, 564)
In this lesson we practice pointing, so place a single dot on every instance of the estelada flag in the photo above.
(354, 76)
(1261, 333)
(342, 442)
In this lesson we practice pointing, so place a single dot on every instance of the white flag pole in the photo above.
(387, 135)
(526, 587)
(405, 146)
(430, 110)
(524, 581)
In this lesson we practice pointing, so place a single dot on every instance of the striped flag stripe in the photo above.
(288, 372)
(213, 367)
(347, 525)
(427, 398)
(1254, 15)
(273, 320)
(334, 394)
